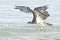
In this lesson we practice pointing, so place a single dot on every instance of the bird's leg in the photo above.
(41, 26)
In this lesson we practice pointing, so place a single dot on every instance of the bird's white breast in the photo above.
(39, 20)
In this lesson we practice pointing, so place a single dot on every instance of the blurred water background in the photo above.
(13, 23)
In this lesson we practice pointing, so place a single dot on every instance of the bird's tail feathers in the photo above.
(49, 24)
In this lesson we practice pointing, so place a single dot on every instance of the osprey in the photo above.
(39, 14)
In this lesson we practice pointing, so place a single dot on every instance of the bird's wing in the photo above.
(24, 9)
(42, 11)
(41, 8)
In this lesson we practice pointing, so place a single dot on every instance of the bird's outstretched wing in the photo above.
(42, 11)
(24, 9)
(42, 8)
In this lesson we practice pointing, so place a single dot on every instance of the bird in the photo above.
(40, 14)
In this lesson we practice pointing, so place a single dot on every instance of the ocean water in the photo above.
(13, 23)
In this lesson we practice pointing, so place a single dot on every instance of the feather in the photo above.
(41, 11)
(24, 9)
